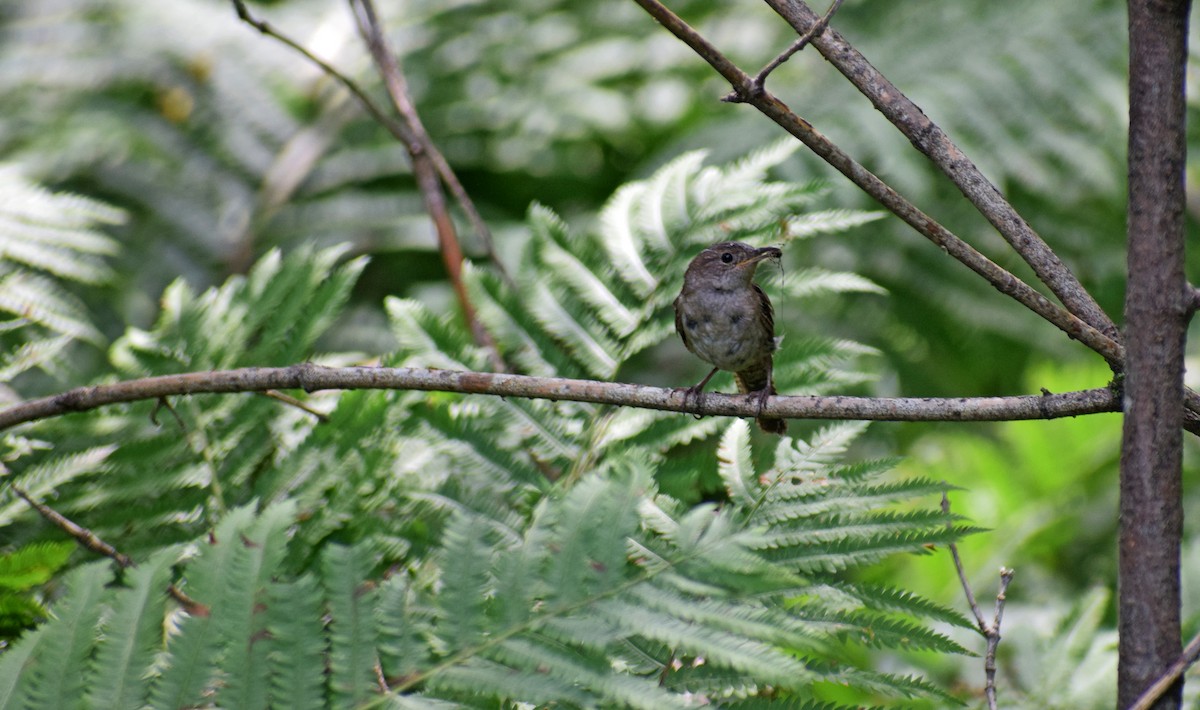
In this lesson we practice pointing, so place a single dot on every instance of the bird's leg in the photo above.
(762, 395)
(697, 391)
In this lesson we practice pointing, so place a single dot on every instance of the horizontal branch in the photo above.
(311, 378)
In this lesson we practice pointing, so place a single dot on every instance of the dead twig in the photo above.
(760, 79)
(990, 631)
(293, 402)
(190, 605)
(1158, 688)
(422, 151)
(82, 535)
(164, 403)
(399, 130)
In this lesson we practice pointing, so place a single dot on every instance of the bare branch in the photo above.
(422, 151)
(927, 137)
(1156, 690)
(310, 377)
(962, 574)
(993, 638)
(776, 110)
(293, 402)
(190, 605)
(82, 535)
(396, 128)
(760, 79)
(399, 130)
(991, 631)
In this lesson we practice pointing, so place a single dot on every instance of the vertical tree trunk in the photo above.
(1156, 311)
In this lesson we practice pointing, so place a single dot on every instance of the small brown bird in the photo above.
(727, 320)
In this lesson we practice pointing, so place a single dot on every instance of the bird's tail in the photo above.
(758, 379)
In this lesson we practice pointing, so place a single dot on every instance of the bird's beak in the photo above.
(763, 253)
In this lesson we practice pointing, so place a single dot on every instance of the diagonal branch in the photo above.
(411, 133)
(927, 137)
(396, 128)
(82, 535)
(310, 378)
(1159, 687)
(1001, 279)
(760, 79)
(425, 160)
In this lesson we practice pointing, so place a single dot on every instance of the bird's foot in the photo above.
(767, 424)
(696, 393)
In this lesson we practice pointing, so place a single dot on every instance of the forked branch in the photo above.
(430, 168)
(1001, 279)
(989, 630)
(760, 79)
(927, 137)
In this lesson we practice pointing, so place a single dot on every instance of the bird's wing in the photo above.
(679, 324)
(764, 305)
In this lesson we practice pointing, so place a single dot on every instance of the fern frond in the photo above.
(194, 646)
(901, 601)
(829, 222)
(467, 561)
(53, 232)
(733, 463)
(240, 625)
(33, 564)
(593, 350)
(37, 300)
(16, 678)
(295, 644)
(55, 680)
(42, 479)
(424, 339)
(352, 632)
(131, 636)
(813, 281)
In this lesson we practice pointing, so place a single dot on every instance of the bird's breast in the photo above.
(725, 328)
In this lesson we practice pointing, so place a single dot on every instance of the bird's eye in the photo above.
(727, 258)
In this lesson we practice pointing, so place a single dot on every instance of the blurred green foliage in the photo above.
(218, 144)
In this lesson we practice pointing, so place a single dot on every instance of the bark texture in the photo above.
(1156, 311)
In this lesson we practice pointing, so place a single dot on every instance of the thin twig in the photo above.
(962, 573)
(776, 110)
(931, 140)
(993, 638)
(310, 378)
(1172, 675)
(292, 401)
(991, 631)
(760, 79)
(192, 606)
(422, 150)
(164, 403)
(82, 535)
(380, 678)
(397, 128)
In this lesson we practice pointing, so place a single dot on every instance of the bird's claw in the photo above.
(695, 392)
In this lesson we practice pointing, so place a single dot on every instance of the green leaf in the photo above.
(32, 565)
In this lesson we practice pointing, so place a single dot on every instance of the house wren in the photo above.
(727, 320)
